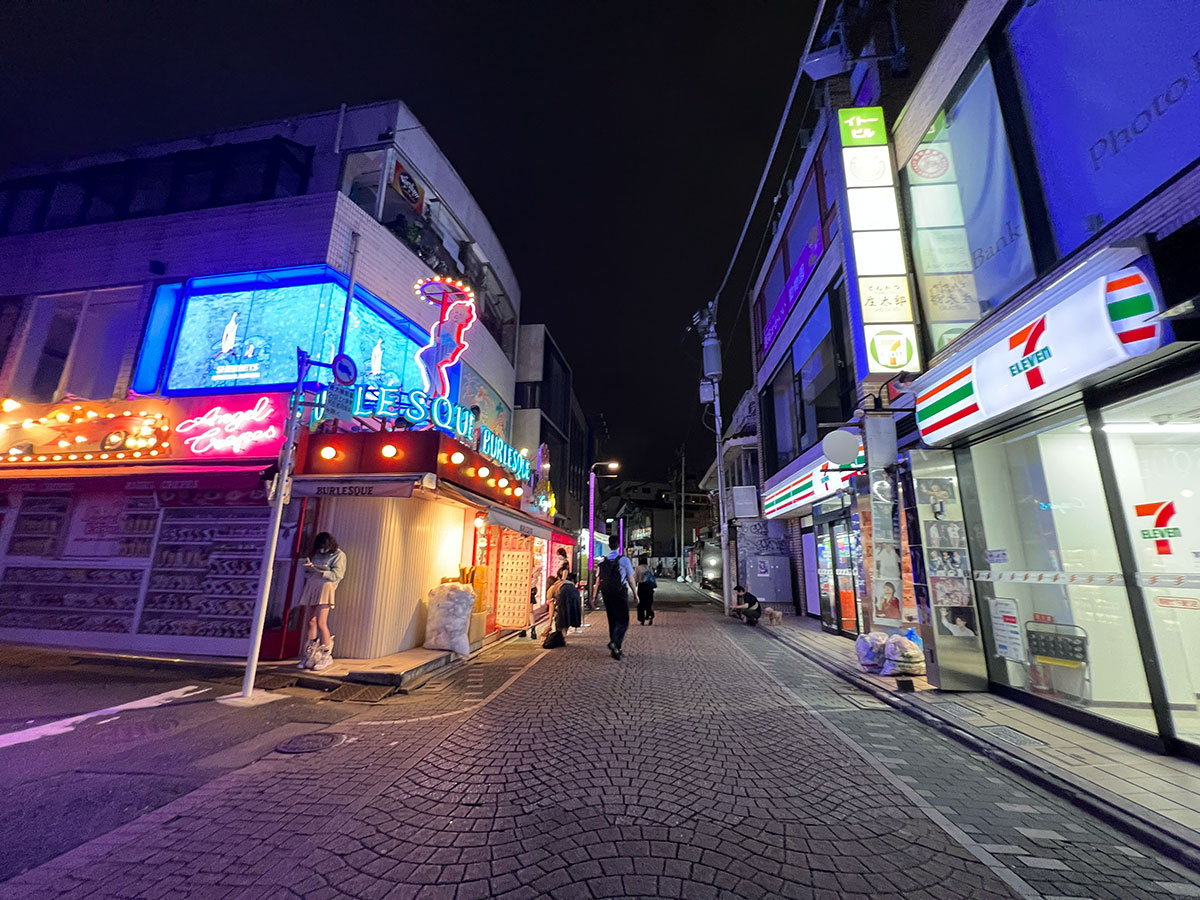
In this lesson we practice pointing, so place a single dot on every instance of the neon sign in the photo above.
(447, 338)
(494, 447)
(220, 432)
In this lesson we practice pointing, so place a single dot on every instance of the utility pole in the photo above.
(710, 392)
(682, 544)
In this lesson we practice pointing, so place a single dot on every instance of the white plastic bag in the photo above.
(449, 618)
(870, 648)
(903, 657)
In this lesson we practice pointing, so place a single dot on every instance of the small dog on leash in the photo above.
(774, 617)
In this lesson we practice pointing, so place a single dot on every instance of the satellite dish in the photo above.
(840, 447)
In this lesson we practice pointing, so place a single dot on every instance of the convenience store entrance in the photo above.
(838, 559)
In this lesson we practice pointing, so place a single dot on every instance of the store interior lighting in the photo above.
(1148, 428)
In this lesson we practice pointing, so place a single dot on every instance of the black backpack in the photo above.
(611, 581)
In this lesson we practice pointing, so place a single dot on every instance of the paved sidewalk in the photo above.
(711, 762)
(1159, 793)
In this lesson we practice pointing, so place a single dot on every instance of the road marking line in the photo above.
(63, 726)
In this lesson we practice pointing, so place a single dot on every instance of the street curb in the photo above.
(1078, 793)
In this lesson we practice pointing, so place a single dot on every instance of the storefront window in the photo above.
(1155, 445)
(780, 408)
(361, 177)
(815, 362)
(970, 246)
(1047, 572)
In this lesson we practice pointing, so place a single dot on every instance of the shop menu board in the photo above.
(513, 579)
(82, 559)
(206, 572)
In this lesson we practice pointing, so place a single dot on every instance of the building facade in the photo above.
(153, 302)
(1017, 323)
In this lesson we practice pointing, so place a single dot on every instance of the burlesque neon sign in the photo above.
(220, 432)
(447, 338)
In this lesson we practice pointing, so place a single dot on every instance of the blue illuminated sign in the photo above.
(240, 332)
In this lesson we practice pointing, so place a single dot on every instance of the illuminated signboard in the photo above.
(816, 482)
(220, 431)
(240, 332)
(1102, 324)
(420, 409)
(877, 244)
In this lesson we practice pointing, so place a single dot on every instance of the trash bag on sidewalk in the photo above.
(870, 649)
(903, 657)
(449, 618)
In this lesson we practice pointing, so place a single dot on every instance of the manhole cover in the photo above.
(957, 710)
(266, 681)
(1012, 736)
(360, 693)
(310, 743)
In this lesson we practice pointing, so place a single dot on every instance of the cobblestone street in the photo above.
(712, 761)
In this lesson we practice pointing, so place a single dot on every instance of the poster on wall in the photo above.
(887, 585)
(956, 621)
(473, 391)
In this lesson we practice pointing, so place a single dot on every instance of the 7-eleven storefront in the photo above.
(1058, 506)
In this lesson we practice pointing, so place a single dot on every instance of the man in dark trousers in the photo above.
(616, 572)
(748, 609)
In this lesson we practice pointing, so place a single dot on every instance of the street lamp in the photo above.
(612, 466)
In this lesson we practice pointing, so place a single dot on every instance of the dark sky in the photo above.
(615, 146)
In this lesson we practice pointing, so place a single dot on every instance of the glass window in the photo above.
(51, 330)
(776, 278)
(1050, 571)
(66, 204)
(814, 360)
(110, 321)
(1107, 134)
(970, 247)
(1155, 445)
(244, 181)
(24, 208)
(779, 414)
(152, 187)
(360, 178)
(195, 180)
(109, 195)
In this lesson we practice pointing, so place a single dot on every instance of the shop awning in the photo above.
(500, 515)
(369, 486)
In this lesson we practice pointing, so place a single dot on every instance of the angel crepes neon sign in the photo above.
(223, 432)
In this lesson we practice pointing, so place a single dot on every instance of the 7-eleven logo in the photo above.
(1031, 356)
(1162, 514)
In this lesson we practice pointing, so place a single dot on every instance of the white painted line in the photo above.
(63, 726)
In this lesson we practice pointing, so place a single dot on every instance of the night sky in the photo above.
(614, 146)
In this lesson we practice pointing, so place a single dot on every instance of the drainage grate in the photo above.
(264, 681)
(310, 743)
(360, 693)
(957, 710)
(1012, 736)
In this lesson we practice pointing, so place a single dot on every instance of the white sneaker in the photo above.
(324, 659)
(308, 655)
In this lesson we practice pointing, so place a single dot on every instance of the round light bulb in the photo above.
(328, 452)
(456, 458)
(484, 471)
(388, 450)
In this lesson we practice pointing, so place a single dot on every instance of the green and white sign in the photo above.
(862, 126)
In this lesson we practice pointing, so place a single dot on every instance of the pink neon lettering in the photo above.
(225, 433)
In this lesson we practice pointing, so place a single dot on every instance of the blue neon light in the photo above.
(156, 341)
(240, 332)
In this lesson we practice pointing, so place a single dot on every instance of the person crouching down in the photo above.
(748, 609)
(322, 572)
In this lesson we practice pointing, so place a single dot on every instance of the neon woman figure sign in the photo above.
(447, 338)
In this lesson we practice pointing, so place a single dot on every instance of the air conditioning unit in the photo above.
(745, 502)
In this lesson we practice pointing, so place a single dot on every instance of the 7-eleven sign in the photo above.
(1026, 340)
(1161, 513)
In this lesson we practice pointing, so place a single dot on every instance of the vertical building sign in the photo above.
(888, 332)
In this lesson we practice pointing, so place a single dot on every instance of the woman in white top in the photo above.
(323, 570)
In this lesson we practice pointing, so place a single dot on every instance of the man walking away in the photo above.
(616, 571)
(748, 609)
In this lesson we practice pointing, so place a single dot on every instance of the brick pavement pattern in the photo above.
(710, 762)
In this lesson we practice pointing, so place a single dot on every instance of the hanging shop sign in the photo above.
(148, 430)
(1100, 325)
(447, 337)
(884, 317)
(816, 482)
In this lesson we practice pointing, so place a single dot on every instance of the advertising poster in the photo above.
(956, 621)
(95, 528)
(950, 591)
(887, 586)
(1006, 629)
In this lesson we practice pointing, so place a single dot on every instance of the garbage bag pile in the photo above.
(902, 657)
(870, 649)
(449, 618)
